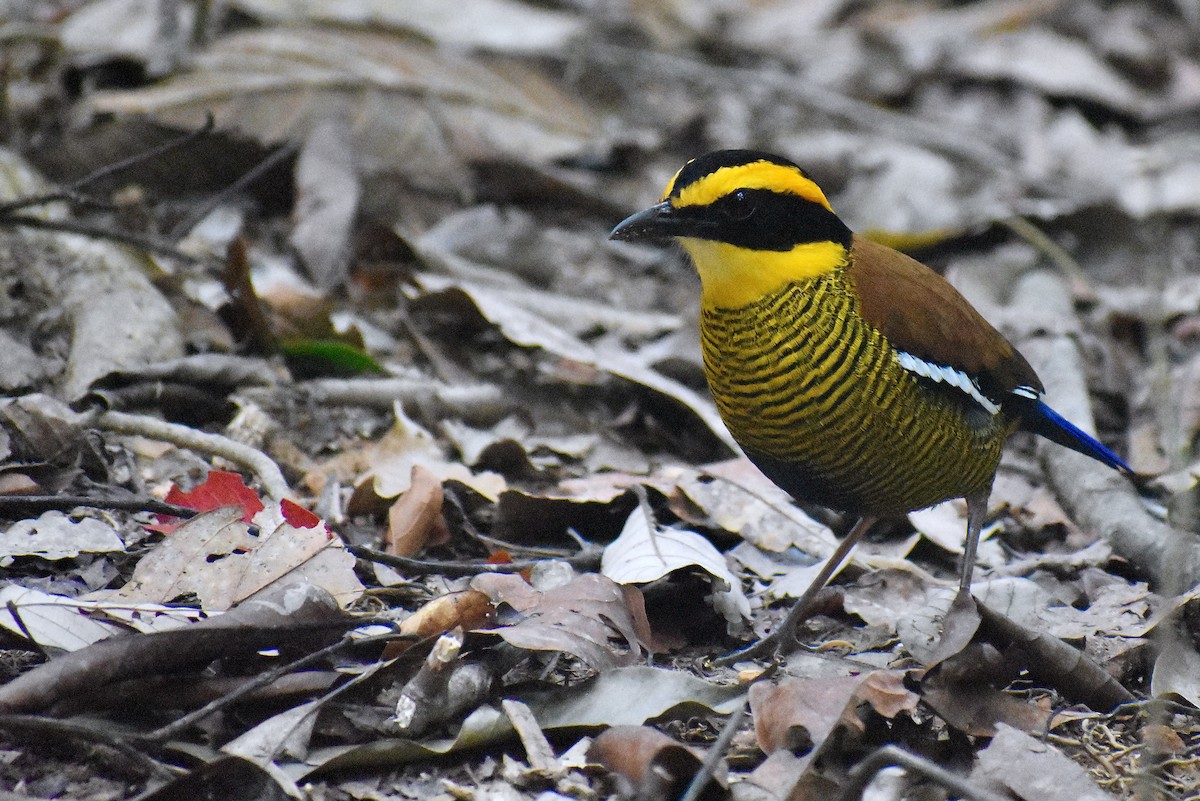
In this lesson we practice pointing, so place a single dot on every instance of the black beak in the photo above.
(657, 222)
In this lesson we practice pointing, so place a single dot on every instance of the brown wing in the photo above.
(922, 314)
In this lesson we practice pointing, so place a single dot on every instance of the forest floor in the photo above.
(343, 456)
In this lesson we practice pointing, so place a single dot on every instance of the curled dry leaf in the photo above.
(587, 617)
(469, 609)
(741, 500)
(383, 469)
(416, 517)
(651, 764)
(1177, 671)
(642, 554)
(798, 714)
(525, 328)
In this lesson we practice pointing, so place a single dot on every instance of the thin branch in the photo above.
(890, 755)
(268, 473)
(57, 730)
(180, 725)
(715, 753)
(585, 560)
(147, 242)
(184, 226)
(63, 503)
(1081, 287)
(73, 191)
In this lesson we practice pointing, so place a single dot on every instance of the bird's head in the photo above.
(750, 221)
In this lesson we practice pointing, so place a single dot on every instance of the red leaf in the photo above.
(220, 488)
(298, 516)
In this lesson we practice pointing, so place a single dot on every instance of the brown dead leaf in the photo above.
(587, 617)
(973, 707)
(651, 764)
(383, 469)
(804, 711)
(416, 517)
(884, 690)
(469, 609)
(1163, 739)
(796, 719)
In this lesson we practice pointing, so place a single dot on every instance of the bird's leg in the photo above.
(977, 506)
(783, 639)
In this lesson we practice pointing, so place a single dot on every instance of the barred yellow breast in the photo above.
(820, 402)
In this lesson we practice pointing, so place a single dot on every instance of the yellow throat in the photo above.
(732, 276)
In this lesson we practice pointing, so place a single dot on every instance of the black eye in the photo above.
(740, 205)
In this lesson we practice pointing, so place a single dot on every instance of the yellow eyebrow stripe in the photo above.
(756, 175)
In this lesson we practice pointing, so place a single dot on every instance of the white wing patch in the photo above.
(950, 377)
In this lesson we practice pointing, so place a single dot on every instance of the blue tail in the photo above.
(1041, 419)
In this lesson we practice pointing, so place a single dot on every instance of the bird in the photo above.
(853, 376)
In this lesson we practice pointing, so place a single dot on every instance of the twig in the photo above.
(268, 473)
(1080, 285)
(39, 503)
(890, 755)
(146, 242)
(72, 191)
(472, 402)
(180, 725)
(585, 560)
(184, 226)
(783, 638)
(716, 753)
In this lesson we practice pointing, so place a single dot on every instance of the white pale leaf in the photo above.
(946, 526)
(641, 554)
(53, 621)
(56, 621)
(216, 558)
(56, 536)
